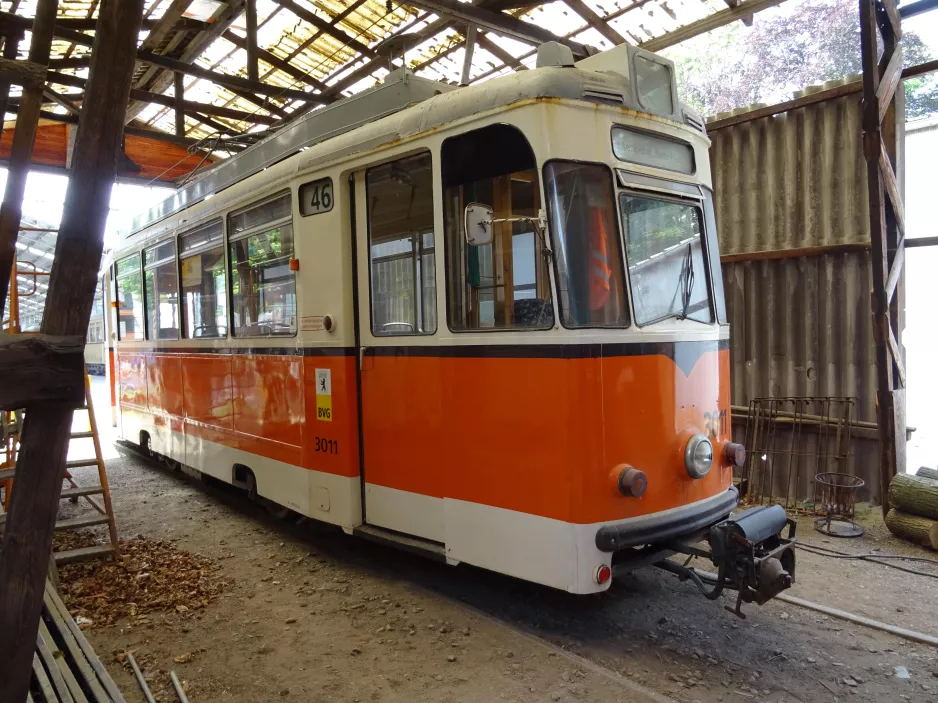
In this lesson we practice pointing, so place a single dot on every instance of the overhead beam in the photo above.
(168, 100)
(250, 15)
(13, 107)
(498, 52)
(179, 103)
(161, 82)
(181, 65)
(595, 21)
(275, 61)
(499, 23)
(225, 79)
(707, 24)
(326, 27)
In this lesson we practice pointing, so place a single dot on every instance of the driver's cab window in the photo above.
(503, 284)
(401, 245)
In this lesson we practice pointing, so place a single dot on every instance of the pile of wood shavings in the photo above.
(152, 575)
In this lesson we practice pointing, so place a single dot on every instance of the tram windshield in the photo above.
(590, 278)
(664, 248)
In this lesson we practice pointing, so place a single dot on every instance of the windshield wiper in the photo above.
(686, 281)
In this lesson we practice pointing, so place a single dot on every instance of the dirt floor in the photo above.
(307, 613)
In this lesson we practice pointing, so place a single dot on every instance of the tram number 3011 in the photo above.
(327, 446)
(715, 423)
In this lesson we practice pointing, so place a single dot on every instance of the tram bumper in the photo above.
(750, 553)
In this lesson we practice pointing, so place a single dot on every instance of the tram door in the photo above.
(399, 370)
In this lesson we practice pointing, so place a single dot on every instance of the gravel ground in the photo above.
(311, 614)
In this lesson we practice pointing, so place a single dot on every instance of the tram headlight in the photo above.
(698, 456)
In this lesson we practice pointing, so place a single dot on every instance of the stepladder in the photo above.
(96, 497)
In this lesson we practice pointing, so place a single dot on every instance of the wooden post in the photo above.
(21, 151)
(27, 539)
(179, 89)
(882, 127)
(250, 16)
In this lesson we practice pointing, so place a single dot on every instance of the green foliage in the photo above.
(787, 50)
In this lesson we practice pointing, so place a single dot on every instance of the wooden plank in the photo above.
(22, 150)
(891, 187)
(79, 659)
(86, 648)
(888, 82)
(48, 659)
(42, 678)
(27, 539)
(895, 272)
(896, 356)
(71, 682)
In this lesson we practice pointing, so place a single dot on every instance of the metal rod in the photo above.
(922, 242)
(140, 679)
(178, 686)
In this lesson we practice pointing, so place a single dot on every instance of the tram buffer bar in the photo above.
(750, 553)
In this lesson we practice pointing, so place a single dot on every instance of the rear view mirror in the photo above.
(478, 222)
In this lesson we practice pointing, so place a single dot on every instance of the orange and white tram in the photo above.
(490, 323)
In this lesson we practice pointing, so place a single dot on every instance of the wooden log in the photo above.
(27, 537)
(41, 368)
(921, 530)
(925, 472)
(917, 496)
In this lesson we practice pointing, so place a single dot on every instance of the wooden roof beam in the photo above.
(596, 22)
(221, 21)
(168, 100)
(275, 61)
(499, 23)
(326, 27)
(717, 19)
(499, 53)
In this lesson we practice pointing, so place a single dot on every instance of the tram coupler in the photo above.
(750, 553)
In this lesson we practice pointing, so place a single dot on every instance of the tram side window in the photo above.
(263, 287)
(159, 277)
(130, 299)
(402, 247)
(204, 285)
(504, 284)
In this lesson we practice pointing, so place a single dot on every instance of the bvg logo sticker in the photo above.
(324, 395)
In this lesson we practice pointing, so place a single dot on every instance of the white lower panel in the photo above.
(404, 511)
(552, 552)
(316, 494)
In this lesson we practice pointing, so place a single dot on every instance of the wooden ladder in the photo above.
(73, 492)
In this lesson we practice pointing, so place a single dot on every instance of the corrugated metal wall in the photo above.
(786, 185)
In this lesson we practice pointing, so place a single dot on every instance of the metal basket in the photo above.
(837, 493)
